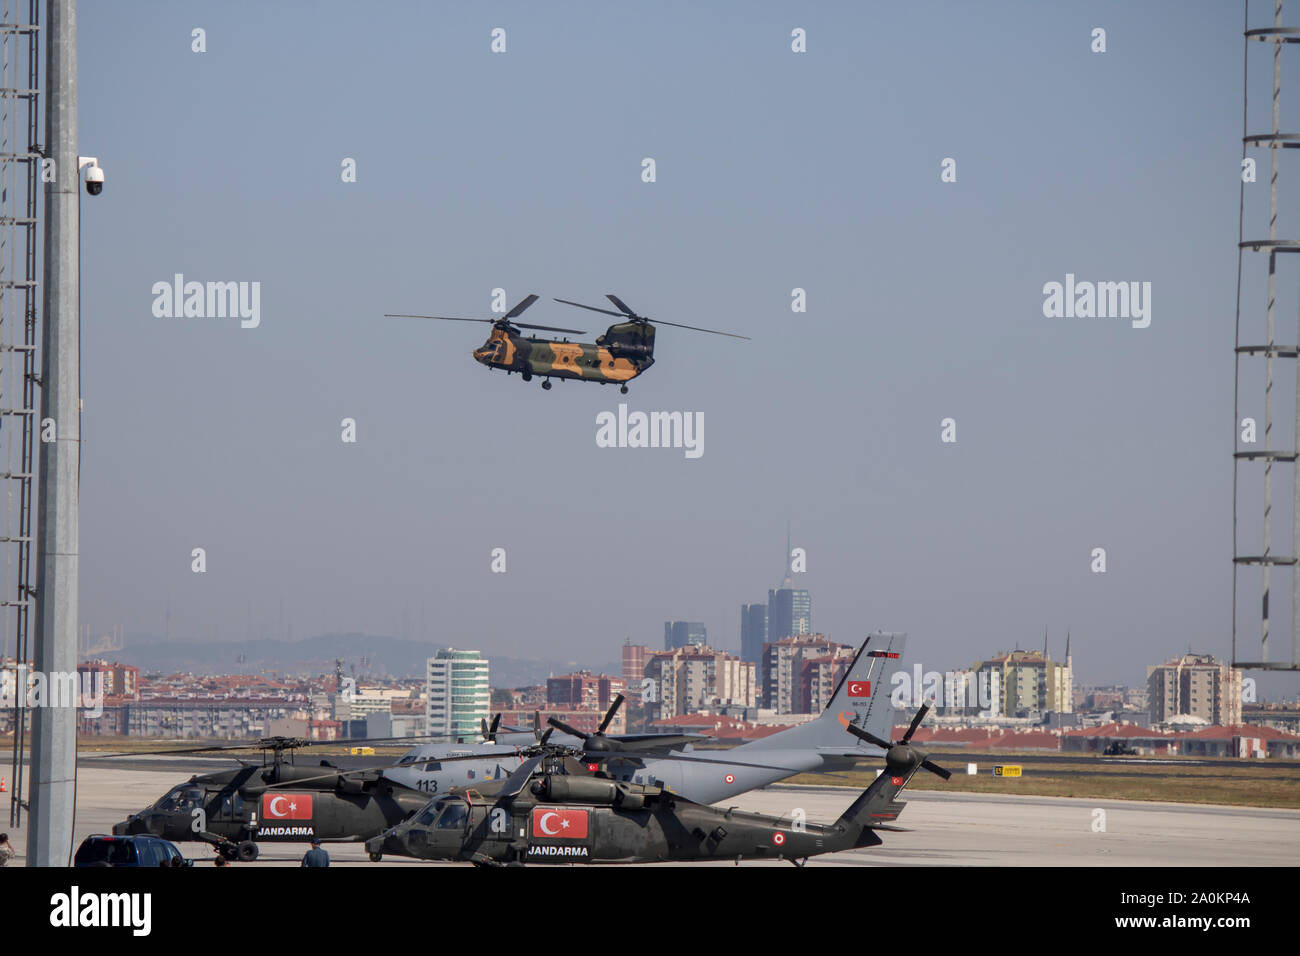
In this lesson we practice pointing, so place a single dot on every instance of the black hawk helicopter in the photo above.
(545, 812)
(234, 810)
(620, 355)
(275, 801)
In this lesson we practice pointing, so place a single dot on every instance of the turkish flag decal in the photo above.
(859, 688)
(559, 823)
(286, 806)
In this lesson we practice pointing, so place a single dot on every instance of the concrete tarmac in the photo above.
(947, 829)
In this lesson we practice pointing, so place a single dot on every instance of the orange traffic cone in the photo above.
(3, 785)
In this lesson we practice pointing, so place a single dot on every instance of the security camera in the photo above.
(94, 180)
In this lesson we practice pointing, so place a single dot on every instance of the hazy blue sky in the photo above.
(774, 171)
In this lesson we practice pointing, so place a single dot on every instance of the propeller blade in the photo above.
(562, 726)
(537, 724)
(933, 767)
(868, 737)
(443, 318)
(696, 328)
(549, 328)
(622, 307)
(496, 722)
(521, 306)
(609, 715)
(545, 737)
(483, 728)
(617, 315)
(916, 722)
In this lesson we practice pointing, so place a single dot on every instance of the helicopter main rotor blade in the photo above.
(617, 315)
(529, 300)
(916, 722)
(869, 737)
(933, 767)
(696, 328)
(622, 307)
(519, 779)
(609, 716)
(562, 726)
(548, 328)
(442, 318)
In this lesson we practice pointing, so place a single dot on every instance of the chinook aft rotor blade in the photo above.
(629, 314)
(548, 328)
(696, 328)
(593, 308)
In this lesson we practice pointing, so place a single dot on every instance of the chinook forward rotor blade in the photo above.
(442, 318)
(524, 303)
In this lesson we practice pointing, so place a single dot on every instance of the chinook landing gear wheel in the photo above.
(246, 852)
(547, 385)
(623, 390)
(527, 376)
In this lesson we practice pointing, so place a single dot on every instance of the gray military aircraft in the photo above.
(544, 813)
(862, 700)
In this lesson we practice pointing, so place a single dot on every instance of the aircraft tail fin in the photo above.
(862, 699)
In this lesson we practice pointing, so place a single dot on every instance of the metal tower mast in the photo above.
(20, 162)
(1264, 558)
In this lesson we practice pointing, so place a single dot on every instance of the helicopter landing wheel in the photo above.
(376, 857)
(623, 390)
(547, 385)
(246, 852)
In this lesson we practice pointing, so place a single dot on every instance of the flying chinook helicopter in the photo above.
(620, 355)
(278, 800)
(544, 813)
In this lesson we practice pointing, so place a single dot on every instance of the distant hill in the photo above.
(386, 656)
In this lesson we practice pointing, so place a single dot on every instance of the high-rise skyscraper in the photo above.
(683, 634)
(458, 693)
(753, 631)
(789, 612)
(789, 609)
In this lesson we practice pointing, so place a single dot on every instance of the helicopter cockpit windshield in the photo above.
(451, 814)
(181, 798)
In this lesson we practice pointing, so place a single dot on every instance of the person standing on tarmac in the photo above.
(7, 850)
(316, 856)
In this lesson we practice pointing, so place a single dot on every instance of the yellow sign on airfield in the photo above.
(1006, 770)
(362, 751)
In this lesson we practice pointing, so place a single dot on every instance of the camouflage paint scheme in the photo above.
(621, 354)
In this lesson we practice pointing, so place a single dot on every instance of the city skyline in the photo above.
(1071, 434)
